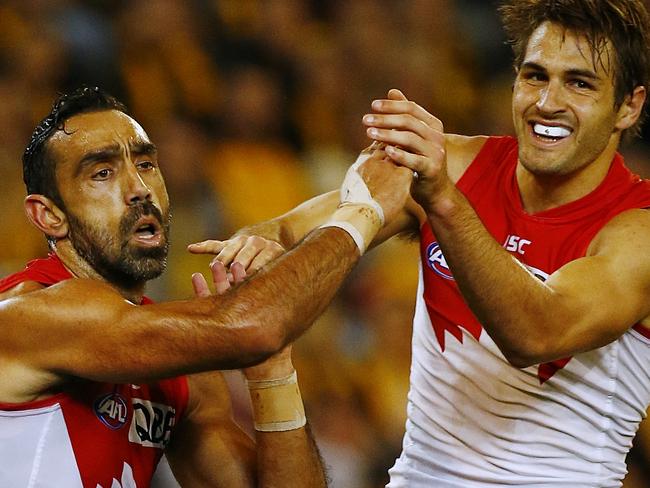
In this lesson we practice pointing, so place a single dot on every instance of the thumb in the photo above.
(395, 94)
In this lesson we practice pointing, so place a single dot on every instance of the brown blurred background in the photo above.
(255, 106)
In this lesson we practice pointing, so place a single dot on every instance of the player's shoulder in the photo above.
(627, 232)
(461, 151)
(21, 289)
(70, 291)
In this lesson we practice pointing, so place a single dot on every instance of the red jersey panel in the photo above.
(474, 420)
(93, 434)
(543, 242)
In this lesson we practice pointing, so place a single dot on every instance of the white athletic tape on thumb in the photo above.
(355, 191)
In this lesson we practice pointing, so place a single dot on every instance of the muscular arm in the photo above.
(85, 329)
(583, 305)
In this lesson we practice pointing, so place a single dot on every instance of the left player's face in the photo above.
(116, 202)
(563, 104)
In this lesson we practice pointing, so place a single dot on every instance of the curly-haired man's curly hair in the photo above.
(624, 24)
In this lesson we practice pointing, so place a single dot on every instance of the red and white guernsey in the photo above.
(93, 435)
(476, 421)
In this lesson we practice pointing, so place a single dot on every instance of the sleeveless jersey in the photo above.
(476, 421)
(93, 435)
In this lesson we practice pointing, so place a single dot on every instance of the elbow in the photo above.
(525, 354)
(520, 361)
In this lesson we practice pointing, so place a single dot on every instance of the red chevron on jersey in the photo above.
(543, 242)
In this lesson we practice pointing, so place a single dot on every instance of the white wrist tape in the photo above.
(350, 229)
(277, 404)
(355, 191)
(358, 220)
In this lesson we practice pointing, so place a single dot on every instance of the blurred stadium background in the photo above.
(256, 105)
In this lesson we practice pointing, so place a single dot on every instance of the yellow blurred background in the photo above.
(255, 106)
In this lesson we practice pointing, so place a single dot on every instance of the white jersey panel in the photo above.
(38, 446)
(476, 421)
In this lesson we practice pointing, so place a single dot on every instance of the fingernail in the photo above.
(373, 132)
(376, 104)
(369, 119)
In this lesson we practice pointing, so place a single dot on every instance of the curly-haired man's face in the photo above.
(564, 105)
(115, 198)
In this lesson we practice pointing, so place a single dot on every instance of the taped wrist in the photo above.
(358, 220)
(355, 191)
(277, 404)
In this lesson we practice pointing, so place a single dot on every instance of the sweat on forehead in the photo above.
(597, 56)
(94, 130)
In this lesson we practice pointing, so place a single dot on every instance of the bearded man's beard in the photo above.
(112, 256)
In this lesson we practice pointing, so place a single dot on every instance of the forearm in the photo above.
(284, 298)
(515, 308)
(271, 309)
(290, 228)
(289, 459)
(92, 332)
(287, 455)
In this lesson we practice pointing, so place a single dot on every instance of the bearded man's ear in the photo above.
(46, 216)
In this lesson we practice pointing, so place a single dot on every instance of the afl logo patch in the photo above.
(436, 261)
(111, 410)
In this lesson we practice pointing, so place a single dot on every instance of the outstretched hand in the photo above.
(252, 252)
(414, 139)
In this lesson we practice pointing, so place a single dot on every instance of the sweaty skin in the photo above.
(87, 328)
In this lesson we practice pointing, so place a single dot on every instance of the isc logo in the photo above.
(152, 423)
(111, 410)
(516, 244)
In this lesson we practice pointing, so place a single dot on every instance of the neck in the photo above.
(540, 192)
(80, 268)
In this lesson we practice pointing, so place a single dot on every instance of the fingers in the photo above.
(219, 277)
(200, 285)
(234, 259)
(395, 94)
(397, 121)
(397, 103)
(256, 252)
(415, 162)
(413, 137)
(206, 247)
(252, 252)
(238, 273)
(403, 131)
